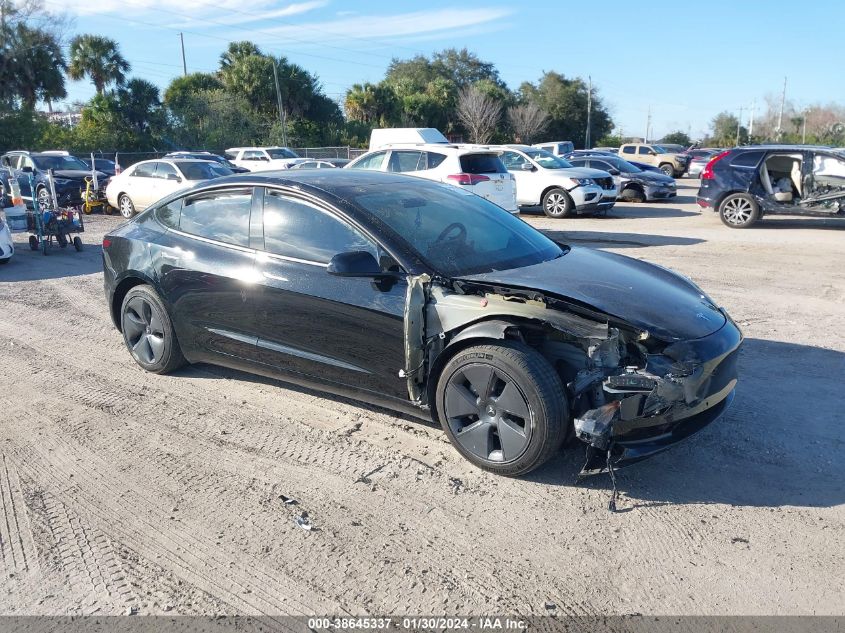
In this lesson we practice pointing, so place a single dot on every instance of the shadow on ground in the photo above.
(780, 444)
(29, 265)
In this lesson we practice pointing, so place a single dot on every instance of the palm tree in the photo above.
(98, 58)
(37, 68)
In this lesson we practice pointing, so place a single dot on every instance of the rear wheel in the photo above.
(502, 406)
(557, 203)
(77, 243)
(33, 243)
(667, 169)
(739, 211)
(148, 331)
(125, 206)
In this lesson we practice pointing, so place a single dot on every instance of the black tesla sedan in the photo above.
(425, 298)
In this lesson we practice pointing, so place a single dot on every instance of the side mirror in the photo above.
(526, 167)
(613, 172)
(263, 158)
(174, 177)
(651, 152)
(355, 264)
(27, 169)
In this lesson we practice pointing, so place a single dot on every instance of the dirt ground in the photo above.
(124, 492)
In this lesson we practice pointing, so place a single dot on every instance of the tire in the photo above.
(667, 169)
(61, 240)
(33, 243)
(632, 194)
(502, 406)
(77, 243)
(125, 206)
(148, 332)
(739, 211)
(557, 203)
(5, 261)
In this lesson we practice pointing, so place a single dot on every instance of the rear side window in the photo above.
(630, 149)
(169, 214)
(482, 164)
(145, 170)
(293, 228)
(578, 162)
(433, 159)
(222, 216)
(747, 159)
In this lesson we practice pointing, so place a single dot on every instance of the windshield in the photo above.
(547, 160)
(281, 152)
(202, 171)
(658, 150)
(456, 232)
(59, 162)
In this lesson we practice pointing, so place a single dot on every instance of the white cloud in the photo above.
(392, 26)
(91, 7)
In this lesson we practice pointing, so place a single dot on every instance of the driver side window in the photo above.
(294, 228)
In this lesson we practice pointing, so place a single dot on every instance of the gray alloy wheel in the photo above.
(739, 211)
(502, 406)
(124, 204)
(148, 332)
(488, 413)
(557, 204)
(667, 169)
(143, 331)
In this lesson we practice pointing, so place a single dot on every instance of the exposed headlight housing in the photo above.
(581, 181)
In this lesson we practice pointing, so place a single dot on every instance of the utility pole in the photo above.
(804, 128)
(281, 107)
(647, 125)
(738, 125)
(587, 143)
(184, 65)
(780, 115)
(751, 122)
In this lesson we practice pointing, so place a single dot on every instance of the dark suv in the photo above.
(745, 183)
(69, 175)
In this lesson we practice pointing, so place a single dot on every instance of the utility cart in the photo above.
(48, 223)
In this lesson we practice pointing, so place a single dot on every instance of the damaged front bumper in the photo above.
(649, 409)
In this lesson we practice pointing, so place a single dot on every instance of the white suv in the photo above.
(263, 158)
(476, 169)
(562, 190)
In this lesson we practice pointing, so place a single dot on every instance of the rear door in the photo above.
(344, 330)
(495, 183)
(206, 271)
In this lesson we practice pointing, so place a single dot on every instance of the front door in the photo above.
(527, 190)
(343, 330)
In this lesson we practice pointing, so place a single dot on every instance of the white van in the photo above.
(407, 135)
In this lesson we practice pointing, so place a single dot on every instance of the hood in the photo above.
(644, 295)
(654, 177)
(75, 174)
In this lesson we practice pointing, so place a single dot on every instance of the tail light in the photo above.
(707, 174)
(106, 242)
(467, 179)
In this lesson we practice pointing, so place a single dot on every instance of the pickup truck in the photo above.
(669, 163)
(263, 158)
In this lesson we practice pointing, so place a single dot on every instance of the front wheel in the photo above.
(557, 203)
(125, 206)
(77, 243)
(739, 211)
(502, 406)
(148, 331)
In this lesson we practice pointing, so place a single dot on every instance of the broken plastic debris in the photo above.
(594, 426)
(304, 522)
(288, 501)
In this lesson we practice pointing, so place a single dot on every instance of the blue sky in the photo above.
(686, 61)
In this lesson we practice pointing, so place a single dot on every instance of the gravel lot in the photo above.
(127, 492)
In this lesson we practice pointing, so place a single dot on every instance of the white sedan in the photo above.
(146, 182)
